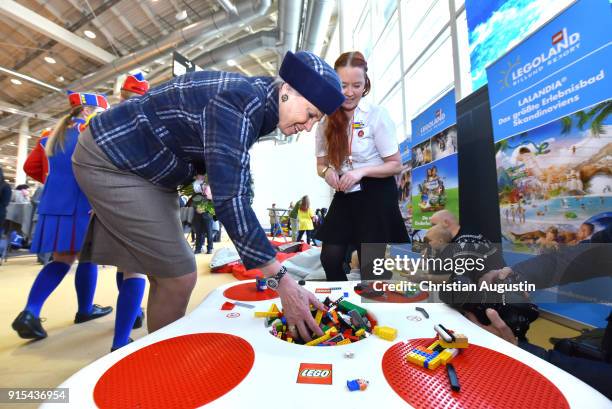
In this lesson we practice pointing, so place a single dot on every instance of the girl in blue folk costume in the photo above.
(131, 286)
(62, 224)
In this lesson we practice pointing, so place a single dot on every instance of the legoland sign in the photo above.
(563, 46)
(567, 69)
(435, 119)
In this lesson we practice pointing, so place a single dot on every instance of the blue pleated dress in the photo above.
(63, 213)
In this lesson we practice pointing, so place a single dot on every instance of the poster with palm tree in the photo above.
(555, 181)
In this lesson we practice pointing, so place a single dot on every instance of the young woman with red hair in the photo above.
(358, 156)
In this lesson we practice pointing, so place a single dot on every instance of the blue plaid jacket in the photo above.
(204, 121)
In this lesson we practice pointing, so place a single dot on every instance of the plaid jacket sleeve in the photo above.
(228, 134)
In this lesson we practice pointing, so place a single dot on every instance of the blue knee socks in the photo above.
(47, 280)
(85, 281)
(128, 307)
(119, 279)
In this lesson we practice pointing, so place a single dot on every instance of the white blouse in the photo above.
(374, 137)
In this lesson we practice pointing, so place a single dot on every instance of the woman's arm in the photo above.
(392, 166)
(327, 172)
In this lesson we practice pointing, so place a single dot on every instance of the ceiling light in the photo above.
(89, 34)
(50, 60)
(231, 63)
(16, 81)
(27, 78)
(181, 15)
(60, 79)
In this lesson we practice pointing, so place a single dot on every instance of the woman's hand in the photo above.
(296, 308)
(332, 179)
(350, 179)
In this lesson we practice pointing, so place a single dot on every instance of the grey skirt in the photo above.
(135, 224)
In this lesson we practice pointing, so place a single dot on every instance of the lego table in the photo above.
(228, 359)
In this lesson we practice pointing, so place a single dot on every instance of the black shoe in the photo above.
(139, 320)
(209, 252)
(130, 340)
(28, 326)
(96, 312)
(197, 251)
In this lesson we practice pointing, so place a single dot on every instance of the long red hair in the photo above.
(337, 123)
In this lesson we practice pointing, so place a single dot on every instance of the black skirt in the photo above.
(371, 215)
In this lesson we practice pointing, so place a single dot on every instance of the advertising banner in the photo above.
(550, 107)
(404, 184)
(434, 165)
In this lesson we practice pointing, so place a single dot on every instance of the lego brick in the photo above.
(319, 316)
(345, 341)
(372, 320)
(356, 319)
(348, 306)
(360, 332)
(262, 314)
(387, 333)
(461, 341)
(433, 346)
(317, 341)
(433, 363)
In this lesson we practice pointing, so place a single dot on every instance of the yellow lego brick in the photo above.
(414, 359)
(433, 346)
(387, 333)
(360, 332)
(317, 341)
(290, 340)
(263, 314)
(434, 363)
(460, 342)
(273, 308)
(318, 317)
(279, 335)
(344, 342)
(331, 331)
(447, 355)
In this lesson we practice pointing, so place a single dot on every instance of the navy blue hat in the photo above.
(314, 79)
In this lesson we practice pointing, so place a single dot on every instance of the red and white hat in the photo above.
(81, 98)
(135, 83)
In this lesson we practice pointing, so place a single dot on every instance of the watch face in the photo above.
(272, 283)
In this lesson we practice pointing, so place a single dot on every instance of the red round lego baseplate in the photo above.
(182, 372)
(248, 292)
(488, 379)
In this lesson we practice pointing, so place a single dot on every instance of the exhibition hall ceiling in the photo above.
(47, 46)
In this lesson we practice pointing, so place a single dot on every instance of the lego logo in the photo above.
(315, 373)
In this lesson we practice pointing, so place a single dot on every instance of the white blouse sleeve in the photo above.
(320, 143)
(385, 136)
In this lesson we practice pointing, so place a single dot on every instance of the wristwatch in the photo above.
(273, 281)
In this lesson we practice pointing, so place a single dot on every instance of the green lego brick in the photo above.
(347, 306)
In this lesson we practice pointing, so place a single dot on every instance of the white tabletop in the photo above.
(277, 362)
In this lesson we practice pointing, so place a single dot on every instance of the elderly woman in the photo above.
(133, 157)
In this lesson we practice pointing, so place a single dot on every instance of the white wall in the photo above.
(285, 173)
